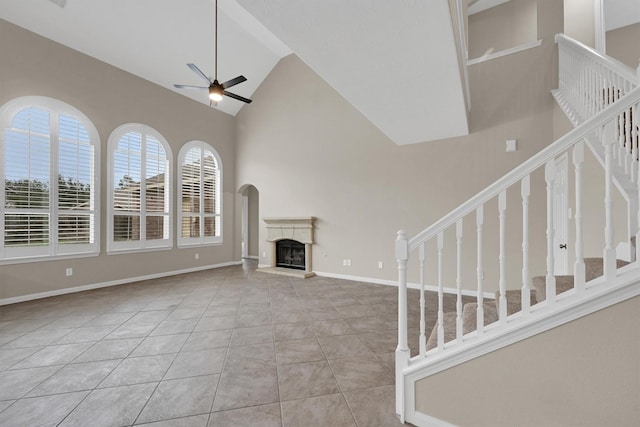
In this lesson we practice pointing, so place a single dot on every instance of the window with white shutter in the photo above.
(49, 167)
(200, 207)
(139, 189)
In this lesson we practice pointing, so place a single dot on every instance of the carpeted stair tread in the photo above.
(593, 269)
(539, 284)
(449, 322)
(514, 300)
(470, 317)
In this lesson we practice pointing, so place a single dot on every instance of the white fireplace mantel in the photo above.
(300, 229)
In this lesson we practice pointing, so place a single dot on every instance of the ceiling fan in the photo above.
(216, 89)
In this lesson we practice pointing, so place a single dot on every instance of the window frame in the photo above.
(54, 249)
(143, 244)
(201, 240)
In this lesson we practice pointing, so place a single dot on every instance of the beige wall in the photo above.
(502, 27)
(313, 154)
(579, 20)
(624, 44)
(111, 97)
(584, 373)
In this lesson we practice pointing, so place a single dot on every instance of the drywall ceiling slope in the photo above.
(394, 61)
(620, 13)
(155, 39)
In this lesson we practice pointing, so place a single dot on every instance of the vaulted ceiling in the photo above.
(395, 62)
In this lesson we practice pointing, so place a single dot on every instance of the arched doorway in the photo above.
(250, 221)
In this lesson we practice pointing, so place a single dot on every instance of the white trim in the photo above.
(245, 226)
(567, 308)
(142, 244)
(54, 250)
(505, 52)
(424, 420)
(82, 288)
(600, 26)
(252, 257)
(464, 55)
(44, 258)
(202, 240)
(432, 288)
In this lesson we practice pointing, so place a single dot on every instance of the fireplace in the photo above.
(290, 241)
(290, 254)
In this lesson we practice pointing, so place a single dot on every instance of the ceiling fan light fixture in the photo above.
(215, 93)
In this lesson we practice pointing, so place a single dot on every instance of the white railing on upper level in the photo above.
(590, 81)
(602, 117)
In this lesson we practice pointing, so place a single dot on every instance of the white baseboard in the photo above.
(64, 291)
(424, 420)
(432, 288)
(252, 257)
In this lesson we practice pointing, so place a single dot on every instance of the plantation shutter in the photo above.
(210, 197)
(127, 171)
(191, 183)
(200, 199)
(27, 183)
(76, 178)
(157, 196)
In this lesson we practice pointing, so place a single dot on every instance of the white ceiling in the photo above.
(391, 60)
(620, 13)
(155, 39)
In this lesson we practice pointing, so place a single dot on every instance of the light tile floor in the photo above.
(224, 347)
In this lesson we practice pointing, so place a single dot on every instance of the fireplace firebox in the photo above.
(290, 254)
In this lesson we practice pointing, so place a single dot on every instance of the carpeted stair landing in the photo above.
(593, 268)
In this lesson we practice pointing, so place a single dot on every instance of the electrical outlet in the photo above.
(344, 262)
(348, 263)
(197, 256)
(380, 264)
(69, 271)
(264, 254)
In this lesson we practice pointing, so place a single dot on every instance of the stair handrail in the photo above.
(536, 161)
(613, 64)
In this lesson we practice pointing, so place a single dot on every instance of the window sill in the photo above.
(198, 244)
(138, 250)
(44, 258)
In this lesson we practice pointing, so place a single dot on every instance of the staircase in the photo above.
(602, 99)
(491, 307)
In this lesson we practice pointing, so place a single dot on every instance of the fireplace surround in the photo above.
(293, 236)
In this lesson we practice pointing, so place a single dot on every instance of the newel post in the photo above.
(402, 351)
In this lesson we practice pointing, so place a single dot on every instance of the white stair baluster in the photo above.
(479, 271)
(634, 143)
(502, 261)
(459, 280)
(423, 336)
(440, 293)
(525, 190)
(402, 351)
(578, 267)
(549, 175)
(609, 252)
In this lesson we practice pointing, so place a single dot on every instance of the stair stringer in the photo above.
(598, 295)
(625, 185)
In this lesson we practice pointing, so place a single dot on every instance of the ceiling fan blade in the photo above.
(199, 72)
(189, 87)
(234, 82)
(238, 97)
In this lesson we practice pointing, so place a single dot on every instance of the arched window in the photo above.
(200, 172)
(139, 189)
(49, 163)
